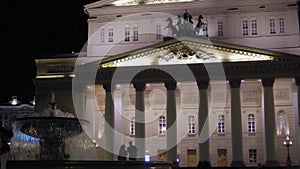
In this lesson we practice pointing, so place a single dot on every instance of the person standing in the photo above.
(122, 153)
(132, 151)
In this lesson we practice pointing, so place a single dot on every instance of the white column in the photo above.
(270, 125)
(202, 116)
(140, 120)
(109, 122)
(171, 122)
(236, 124)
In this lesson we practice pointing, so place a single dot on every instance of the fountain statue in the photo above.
(51, 126)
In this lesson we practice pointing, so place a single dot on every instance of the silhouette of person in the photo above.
(122, 153)
(132, 151)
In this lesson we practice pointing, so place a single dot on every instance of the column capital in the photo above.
(139, 86)
(268, 81)
(202, 84)
(297, 79)
(235, 83)
(109, 87)
(172, 85)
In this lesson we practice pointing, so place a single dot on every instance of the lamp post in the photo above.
(288, 142)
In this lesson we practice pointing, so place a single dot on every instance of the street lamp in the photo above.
(288, 142)
(33, 101)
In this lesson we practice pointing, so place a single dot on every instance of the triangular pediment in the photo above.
(192, 50)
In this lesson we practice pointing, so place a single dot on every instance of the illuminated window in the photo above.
(221, 124)
(102, 35)
(251, 123)
(158, 32)
(135, 33)
(132, 126)
(245, 27)
(254, 27)
(281, 25)
(272, 26)
(127, 34)
(191, 125)
(162, 125)
(252, 155)
(110, 35)
(220, 28)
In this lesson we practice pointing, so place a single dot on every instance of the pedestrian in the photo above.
(132, 151)
(122, 153)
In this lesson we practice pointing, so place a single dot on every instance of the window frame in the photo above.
(251, 123)
(245, 27)
(191, 125)
(162, 124)
(127, 34)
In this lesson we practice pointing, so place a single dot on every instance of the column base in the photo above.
(272, 164)
(237, 164)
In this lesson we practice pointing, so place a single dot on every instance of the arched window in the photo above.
(283, 127)
(281, 25)
(221, 124)
(162, 125)
(254, 26)
(102, 35)
(251, 123)
(220, 28)
(132, 126)
(272, 26)
(245, 27)
(191, 125)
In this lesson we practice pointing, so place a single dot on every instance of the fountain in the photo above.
(51, 126)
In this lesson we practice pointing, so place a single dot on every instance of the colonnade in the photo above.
(236, 120)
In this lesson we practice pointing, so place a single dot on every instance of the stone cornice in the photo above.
(206, 8)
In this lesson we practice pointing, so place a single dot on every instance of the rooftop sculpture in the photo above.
(184, 25)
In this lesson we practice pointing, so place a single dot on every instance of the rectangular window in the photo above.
(102, 35)
(281, 25)
(245, 27)
(191, 125)
(110, 35)
(251, 123)
(162, 125)
(220, 28)
(135, 34)
(158, 32)
(221, 124)
(205, 29)
(252, 155)
(132, 127)
(272, 26)
(127, 34)
(254, 27)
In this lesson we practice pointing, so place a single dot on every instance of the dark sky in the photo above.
(32, 29)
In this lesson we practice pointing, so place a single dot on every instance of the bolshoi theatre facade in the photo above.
(226, 91)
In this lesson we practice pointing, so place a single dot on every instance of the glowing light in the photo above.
(14, 100)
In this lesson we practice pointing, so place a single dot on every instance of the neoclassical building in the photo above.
(226, 91)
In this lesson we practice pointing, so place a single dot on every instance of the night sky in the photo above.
(33, 29)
